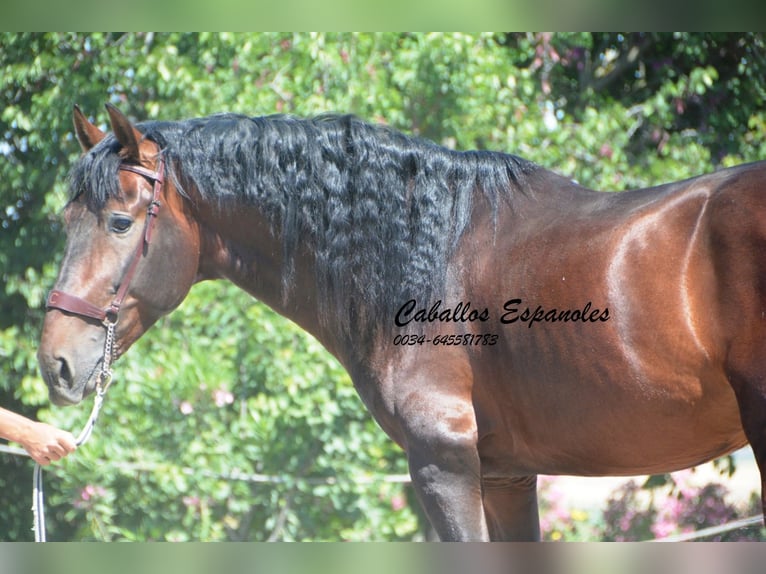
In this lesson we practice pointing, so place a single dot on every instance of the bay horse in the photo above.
(498, 320)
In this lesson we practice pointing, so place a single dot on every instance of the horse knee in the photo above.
(444, 448)
(444, 458)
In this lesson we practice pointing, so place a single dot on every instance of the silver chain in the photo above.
(105, 376)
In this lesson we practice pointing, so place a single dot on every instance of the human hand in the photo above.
(46, 443)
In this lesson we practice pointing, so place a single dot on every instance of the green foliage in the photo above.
(223, 385)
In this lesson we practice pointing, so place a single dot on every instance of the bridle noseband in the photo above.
(108, 315)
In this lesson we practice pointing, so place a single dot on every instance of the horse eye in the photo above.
(120, 223)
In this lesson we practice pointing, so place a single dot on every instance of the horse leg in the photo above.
(440, 435)
(446, 480)
(751, 399)
(511, 508)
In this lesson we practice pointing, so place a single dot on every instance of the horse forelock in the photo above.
(94, 176)
(382, 210)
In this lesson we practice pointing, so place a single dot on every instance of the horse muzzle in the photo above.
(69, 378)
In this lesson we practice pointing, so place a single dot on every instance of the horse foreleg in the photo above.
(440, 431)
(511, 508)
(447, 482)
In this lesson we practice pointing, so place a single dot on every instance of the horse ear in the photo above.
(87, 134)
(125, 132)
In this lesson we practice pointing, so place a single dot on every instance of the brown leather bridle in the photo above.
(108, 316)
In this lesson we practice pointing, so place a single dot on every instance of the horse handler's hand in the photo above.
(46, 443)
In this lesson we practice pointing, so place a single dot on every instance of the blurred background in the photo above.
(227, 422)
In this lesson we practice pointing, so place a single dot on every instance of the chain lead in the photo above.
(104, 380)
(105, 376)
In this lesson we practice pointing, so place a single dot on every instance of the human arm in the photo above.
(44, 443)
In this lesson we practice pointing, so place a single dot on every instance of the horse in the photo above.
(498, 320)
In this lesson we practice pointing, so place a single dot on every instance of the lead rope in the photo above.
(104, 380)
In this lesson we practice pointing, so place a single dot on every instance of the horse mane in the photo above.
(382, 210)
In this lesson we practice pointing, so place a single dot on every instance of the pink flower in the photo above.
(663, 528)
(92, 491)
(625, 522)
(89, 492)
(186, 408)
(398, 502)
(222, 397)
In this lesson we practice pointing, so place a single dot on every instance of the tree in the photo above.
(206, 392)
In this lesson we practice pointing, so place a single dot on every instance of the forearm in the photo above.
(14, 427)
(43, 442)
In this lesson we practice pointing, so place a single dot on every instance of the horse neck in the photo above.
(240, 246)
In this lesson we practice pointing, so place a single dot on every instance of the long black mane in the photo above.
(383, 211)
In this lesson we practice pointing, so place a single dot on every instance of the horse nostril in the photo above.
(64, 372)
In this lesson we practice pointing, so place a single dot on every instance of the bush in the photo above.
(634, 513)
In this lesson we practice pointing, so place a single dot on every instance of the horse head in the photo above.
(131, 256)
